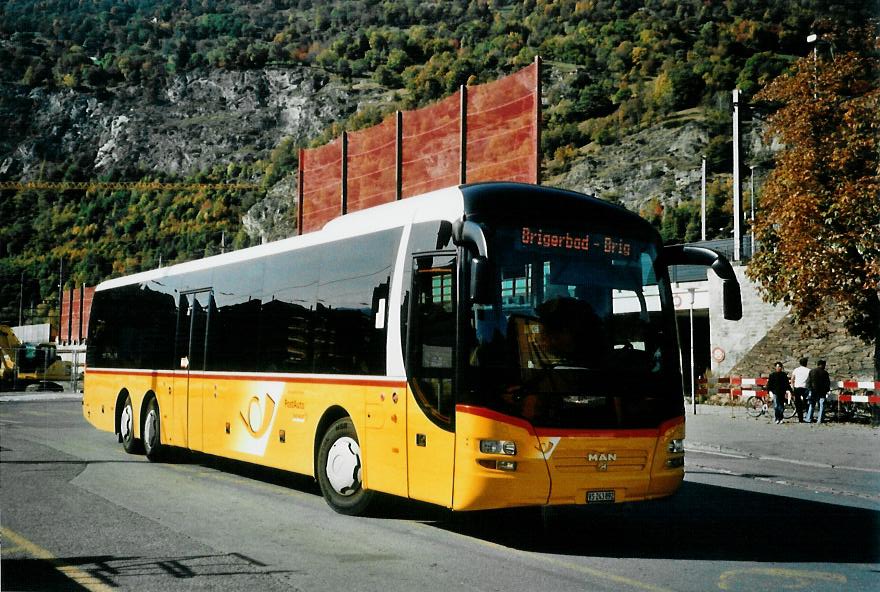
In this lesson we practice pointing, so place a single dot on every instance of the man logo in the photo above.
(602, 459)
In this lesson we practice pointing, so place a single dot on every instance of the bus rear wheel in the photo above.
(151, 432)
(340, 470)
(130, 444)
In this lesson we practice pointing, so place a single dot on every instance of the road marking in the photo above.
(603, 575)
(744, 455)
(84, 579)
(792, 579)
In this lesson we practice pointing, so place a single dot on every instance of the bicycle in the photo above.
(756, 406)
(855, 408)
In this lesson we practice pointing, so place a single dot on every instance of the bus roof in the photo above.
(443, 204)
(479, 201)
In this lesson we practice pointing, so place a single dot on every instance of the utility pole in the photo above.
(737, 191)
(703, 201)
(20, 299)
(813, 38)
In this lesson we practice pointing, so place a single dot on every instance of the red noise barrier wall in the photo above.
(320, 174)
(76, 309)
(372, 166)
(432, 147)
(502, 129)
(493, 134)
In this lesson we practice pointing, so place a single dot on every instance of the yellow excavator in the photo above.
(23, 364)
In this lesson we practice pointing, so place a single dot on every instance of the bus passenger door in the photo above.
(194, 322)
(430, 370)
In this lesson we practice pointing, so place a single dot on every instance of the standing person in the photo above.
(779, 386)
(799, 381)
(819, 383)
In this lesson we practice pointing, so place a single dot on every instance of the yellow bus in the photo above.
(483, 346)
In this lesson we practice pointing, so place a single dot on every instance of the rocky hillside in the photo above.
(662, 162)
(199, 119)
(212, 93)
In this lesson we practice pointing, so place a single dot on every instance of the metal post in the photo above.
(343, 196)
(538, 92)
(752, 207)
(74, 371)
(301, 186)
(737, 192)
(703, 201)
(813, 38)
(20, 299)
(693, 385)
(82, 298)
(398, 157)
(462, 135)
(60, 295)
(69, 317)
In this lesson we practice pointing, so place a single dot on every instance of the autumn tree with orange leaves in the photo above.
(819, 226)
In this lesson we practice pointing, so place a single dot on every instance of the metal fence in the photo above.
(33, 368)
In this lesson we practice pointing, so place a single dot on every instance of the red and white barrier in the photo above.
(738, 386)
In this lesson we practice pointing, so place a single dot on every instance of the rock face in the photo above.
(197, 121)
(273, 217)
(657, 162)
(661, 162)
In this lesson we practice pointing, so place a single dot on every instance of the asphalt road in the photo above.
(763, 507)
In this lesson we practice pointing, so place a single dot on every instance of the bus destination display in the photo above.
(568, 241)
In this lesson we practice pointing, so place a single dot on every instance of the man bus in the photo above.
(483, 346)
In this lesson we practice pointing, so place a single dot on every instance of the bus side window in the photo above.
(432, 340)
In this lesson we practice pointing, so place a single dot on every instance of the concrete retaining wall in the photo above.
(767, 333)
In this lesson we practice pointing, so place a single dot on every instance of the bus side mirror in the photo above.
(732, 300)
(481, 281)
(692, 255)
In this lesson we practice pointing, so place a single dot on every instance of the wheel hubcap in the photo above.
(344, 466)
(150, 433)
(125, 422)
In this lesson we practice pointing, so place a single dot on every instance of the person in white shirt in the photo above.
(799, 378)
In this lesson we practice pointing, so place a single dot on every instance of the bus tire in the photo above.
(152, 433)
(130, 444)
(340, 470)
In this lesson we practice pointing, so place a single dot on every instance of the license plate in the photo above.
(598, 497)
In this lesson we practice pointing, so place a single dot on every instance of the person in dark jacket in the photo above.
(779, 387)
(819, 383)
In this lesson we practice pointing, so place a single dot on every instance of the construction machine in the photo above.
(23, 364)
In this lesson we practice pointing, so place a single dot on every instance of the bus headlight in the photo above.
(676, 446)
(498, 447)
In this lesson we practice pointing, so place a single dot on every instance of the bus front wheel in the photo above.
(340, 469)
(131, 444)
(151, 432)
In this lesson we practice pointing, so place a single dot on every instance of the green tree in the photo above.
(820, 219)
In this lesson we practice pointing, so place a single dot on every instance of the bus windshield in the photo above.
(581, 333)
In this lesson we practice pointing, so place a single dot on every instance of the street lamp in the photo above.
(737, 190)
(703, 201)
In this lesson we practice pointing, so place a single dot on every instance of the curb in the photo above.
(28, 397)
